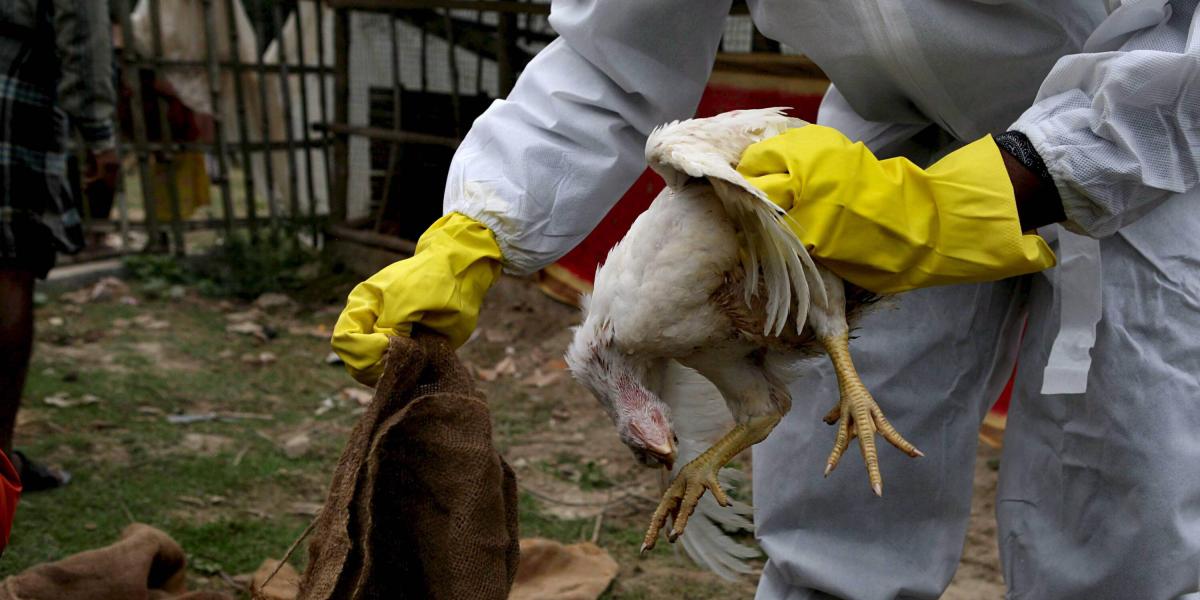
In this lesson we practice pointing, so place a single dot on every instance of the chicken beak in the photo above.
(665, 454)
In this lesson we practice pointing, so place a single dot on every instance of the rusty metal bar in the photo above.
(506, 27)
(285, 94)
(379, 133)
(507, 6)
(252, 146)
(452, 65)
(305, 121)
(214, 89)
(394, 147)
(321, 79)
(371, 238)
(180, 247)
(268, 155)
(341, 114)
(479, 59)
(169, 64)
(243, 131)
(134, 81)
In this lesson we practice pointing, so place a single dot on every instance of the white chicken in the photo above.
(711, 279)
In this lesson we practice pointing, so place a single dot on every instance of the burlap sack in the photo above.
(421, 504)
(145, 564)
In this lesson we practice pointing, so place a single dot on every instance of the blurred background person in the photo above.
(55, 69)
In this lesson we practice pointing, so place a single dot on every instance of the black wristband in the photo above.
(1018, 145)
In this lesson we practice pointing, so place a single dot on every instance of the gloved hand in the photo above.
(888, 225)
(441, 287)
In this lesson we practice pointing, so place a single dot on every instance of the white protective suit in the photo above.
(1100, 488)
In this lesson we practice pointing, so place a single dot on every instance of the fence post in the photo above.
(323, 79)
(214, 89)
(305, 122)
(285, 93)
(341, 114)
(268, 153)
(130, 57)
(239, 70)
(164, 126)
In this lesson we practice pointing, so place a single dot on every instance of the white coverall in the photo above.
(1099, 491)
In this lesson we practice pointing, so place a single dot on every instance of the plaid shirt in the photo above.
(55, 64)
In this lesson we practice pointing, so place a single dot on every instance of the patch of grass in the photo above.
(239, 267)
(230, 504)
(229, 507)
(568, 466)
(536, 523)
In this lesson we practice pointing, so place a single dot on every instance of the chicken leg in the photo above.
(862, 416)
(679, 501)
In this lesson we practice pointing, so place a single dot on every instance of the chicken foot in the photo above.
(862, 416)
(681, 497)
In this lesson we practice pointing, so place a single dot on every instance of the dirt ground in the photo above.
(238, 489)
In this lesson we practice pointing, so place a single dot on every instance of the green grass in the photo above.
(232, 506)
(129, 463)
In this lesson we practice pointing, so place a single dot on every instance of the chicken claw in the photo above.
(863, 417)
(679, 501)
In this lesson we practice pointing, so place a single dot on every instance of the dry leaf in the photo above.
(105, 289)
(60, 400)
(247, 328)
(304, 508)
(271, 300)
(205, 444)
(541, 380)
(260, 359)
(63, 400)
(285, 585)
(361, 395)
(246, 315)
(506, 366)
(297, 445)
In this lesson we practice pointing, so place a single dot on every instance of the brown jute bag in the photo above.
(144, 564)
(421, 504)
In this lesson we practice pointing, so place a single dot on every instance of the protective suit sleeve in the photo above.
(1119, 125)
(542, 168)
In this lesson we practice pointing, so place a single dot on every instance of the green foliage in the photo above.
(237, 267)
(568, 466)
(246, 269)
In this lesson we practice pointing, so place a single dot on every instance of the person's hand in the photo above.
(440, 288)
(888, 225)
(103, 166)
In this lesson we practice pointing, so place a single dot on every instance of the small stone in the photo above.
(297, 445)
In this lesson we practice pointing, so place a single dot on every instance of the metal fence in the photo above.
(217, 110)
(419, 72)
(323, 115)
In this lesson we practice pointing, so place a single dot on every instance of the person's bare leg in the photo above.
(16, 345)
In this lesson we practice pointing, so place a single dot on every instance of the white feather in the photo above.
(710, 149)
(653, 298)
(700, 418)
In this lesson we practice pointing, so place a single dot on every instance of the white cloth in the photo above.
(1117, 128)
(1095, 498)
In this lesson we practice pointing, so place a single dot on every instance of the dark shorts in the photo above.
(34, 248)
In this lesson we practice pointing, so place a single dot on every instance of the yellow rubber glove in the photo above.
(890, 226)
(441, 287)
